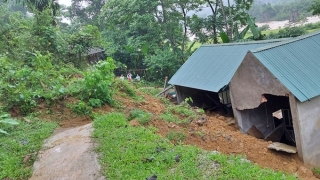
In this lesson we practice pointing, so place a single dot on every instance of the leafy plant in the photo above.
(81, 108)
(94, 103)
(6, 119)
(98, 82)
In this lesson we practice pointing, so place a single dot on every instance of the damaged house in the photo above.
(206, 74)
(275, 95)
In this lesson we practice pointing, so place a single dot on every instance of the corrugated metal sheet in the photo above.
(211, 67)
(296, 63)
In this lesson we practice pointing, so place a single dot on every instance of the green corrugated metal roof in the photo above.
(296, 63)
(211, 67)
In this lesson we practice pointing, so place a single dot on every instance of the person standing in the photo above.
(122, 77)
(129, 77)
(138, 77)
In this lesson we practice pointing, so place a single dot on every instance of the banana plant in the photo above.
(238, 36)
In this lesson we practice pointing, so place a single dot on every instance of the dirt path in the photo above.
(68, 155)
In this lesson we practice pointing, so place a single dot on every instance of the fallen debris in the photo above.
(282, 147)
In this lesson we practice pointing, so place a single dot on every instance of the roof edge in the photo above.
(288, 41)
(245, 43)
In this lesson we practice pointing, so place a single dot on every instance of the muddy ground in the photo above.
(217, 133)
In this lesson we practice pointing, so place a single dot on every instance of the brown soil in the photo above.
(217, 133)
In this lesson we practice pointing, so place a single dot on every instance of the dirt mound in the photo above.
(220, 133)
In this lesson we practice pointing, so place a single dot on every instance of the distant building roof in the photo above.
(94, 50)
(211, 67)
(296, 63)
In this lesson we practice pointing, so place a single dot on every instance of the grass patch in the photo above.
(141, 116)
(150, 90)
(316, 172)
(137, 152)
(24, 139)
(169, 117)
(129, 152)
(176, 136)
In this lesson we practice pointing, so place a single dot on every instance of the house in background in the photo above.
(276, 93)
(206, 74)
(94, 55)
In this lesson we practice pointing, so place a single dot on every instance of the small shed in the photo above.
(206, 74)
(275, 94)
(95, 54)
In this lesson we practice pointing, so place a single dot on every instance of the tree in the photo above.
(86, 11)
(223, 18)
(315, 7)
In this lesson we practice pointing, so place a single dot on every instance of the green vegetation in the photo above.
(24, 140)
(6, 119)
(129, 152)
(141, 116)
(316, 172)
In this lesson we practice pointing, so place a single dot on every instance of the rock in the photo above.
(201, 121)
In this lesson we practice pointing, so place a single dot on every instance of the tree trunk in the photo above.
(224, 16)
(168, 31)
(231, 24)
(214, 26)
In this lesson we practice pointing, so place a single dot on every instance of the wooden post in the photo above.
(165, 82)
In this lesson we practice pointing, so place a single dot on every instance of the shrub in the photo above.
(98, 82)
(81, 108)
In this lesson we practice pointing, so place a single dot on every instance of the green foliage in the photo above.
(316, 172)
(288, 32)
(126, 87)
(315, 7)
(24, 139)
(169, 117)
(6, 119)
(231, 167)
(23, 84)
(94, 103)
(81, 108)
(141, 116)
(150, 90)
(98, 82)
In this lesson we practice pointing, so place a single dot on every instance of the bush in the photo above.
(81, 108)
(98, 82)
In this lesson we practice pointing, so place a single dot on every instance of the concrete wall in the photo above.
(252, 80)
(309, 125)
(247, 86)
